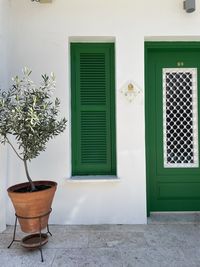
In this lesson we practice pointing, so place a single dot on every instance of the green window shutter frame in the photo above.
(93, 109)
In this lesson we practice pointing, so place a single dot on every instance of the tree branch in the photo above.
(14, 149)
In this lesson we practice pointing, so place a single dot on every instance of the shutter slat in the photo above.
(92, 72)
(93, 149)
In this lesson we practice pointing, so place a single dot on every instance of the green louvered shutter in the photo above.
(93, 109)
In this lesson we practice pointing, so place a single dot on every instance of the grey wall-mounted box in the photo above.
(189, 6)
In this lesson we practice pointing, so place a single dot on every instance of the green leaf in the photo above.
(28, 112)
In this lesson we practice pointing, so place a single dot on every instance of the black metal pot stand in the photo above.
(33, 241)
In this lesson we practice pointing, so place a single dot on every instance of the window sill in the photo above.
(94, 179)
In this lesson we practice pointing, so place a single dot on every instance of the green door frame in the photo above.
(150, 47)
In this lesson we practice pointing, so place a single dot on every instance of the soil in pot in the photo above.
(28, 188)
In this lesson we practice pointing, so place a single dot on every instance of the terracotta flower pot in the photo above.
(32, 204)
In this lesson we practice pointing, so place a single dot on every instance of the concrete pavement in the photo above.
(156, 244)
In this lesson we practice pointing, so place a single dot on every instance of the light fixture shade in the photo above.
(45, 1)
(42, 1)
(189, 6)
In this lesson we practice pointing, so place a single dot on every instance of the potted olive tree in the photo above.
(28, 120)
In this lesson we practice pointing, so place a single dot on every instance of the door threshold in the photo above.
(174, 217)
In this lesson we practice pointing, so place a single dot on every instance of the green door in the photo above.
(172, 126)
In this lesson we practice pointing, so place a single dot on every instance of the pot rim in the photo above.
(12, 188)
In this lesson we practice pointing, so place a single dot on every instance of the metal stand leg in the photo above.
(48, 232)
(40, 247)
(14, 240)
(42, 259)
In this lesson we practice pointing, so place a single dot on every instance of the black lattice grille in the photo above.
(179, 119)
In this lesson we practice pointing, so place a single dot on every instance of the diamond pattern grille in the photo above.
(180, 118)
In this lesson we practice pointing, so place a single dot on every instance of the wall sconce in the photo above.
(189, 6)
(130, 91)
(42, 1)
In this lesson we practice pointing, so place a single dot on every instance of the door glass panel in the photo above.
(180, 123)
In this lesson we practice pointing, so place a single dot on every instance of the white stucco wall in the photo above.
(4, 34)
(40, 35)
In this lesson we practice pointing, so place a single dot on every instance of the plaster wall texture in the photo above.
(4, 35)
(39, 38)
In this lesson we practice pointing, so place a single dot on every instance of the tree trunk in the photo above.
(33, 188)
